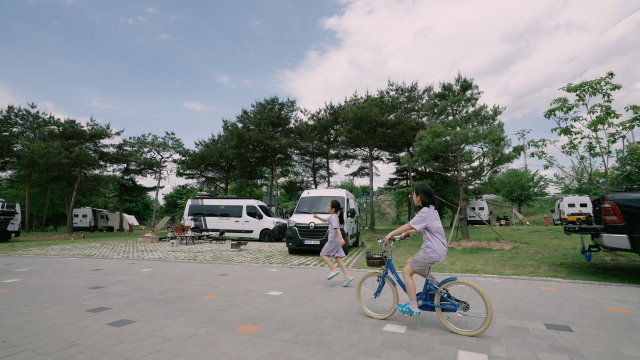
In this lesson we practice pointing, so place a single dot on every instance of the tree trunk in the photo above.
(373, 216)
(121, 223)
(328, 173)
(411, 209)
(275, 181)
(226, 187)
(271, 189)
(26, 215)
(55, 222)
(520, 211)
(73, 202)
(463, 210)
(314, 173)
(46, 209)
(155, 202)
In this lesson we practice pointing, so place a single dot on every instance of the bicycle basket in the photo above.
(376, 258)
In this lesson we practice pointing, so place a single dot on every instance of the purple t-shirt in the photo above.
(334, 223)
(434, 246)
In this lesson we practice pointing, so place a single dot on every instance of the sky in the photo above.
(155, 66)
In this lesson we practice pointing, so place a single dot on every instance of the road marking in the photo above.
(547, 288)
(12, 280)
(247, 329)
(21, 270)
(1, 291)
(146, 269)
(615, 309)
(273, 269)
(209, 297)
(275, 293)
(467, 355)
(174, 273)
(395, 328)
(82, 264)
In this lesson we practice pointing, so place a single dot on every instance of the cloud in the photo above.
(129, 21)
(177, 17)
(519, 53)
(152, 10)
(97, 103)
(55, 23)
(196, 106)
(140, 18)
(6, 97)
(223, 78)
(165, 37)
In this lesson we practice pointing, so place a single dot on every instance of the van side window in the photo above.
(252, 211)
(212, 210)
(480, 208)
(196, 210)
(76, 215)
(572, 205)
(84, 216)
(473, 208)
(584, 205)
(232, 211)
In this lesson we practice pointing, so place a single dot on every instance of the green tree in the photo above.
(176, 201)
(463, 140)
(309, 150)
(589, 129)
(161, 151)
(264, 134)
(521, 187)
(370, 132)
(629, 164)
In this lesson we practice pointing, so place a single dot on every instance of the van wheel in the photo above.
(266, 236)
(565, 222)
(5, 236)
(357, 242)
(110, 229)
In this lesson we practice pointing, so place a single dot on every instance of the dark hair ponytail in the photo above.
(335, 205)
(427, 196)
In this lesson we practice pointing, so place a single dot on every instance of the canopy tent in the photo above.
(127, 220)
(132, 219)
(163, 222)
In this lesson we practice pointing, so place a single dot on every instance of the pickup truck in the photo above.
(615, 224)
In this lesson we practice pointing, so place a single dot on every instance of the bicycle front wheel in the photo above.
(474, 313)
(382, 306)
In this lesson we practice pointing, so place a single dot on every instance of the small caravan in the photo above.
(307, 233)
(239, 217)
(90, 219)
(10, 220)
(571, 209)
(478, 211)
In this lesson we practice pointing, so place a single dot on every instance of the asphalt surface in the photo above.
(88, 308)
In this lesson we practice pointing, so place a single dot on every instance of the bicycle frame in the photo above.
(421, 297)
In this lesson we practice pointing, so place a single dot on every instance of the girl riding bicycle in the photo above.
(434, 246)
(334, 244)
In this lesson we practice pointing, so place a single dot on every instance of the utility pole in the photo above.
(522, 134)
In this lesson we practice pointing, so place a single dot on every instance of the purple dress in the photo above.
(333, 247)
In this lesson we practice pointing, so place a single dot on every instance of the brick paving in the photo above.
(274, 253)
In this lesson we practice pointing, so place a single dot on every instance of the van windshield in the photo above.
(266, 211)
(316, 204)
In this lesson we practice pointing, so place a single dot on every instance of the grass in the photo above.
(537, 251)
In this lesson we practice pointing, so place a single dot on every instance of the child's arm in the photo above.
(340, 236)
(319, 218)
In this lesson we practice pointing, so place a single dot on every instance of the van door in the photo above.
(349, 227)
(211, 218)
(251, 224)
(231, 219)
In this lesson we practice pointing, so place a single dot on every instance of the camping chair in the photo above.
(178, 229)
(218, 238)
(237, 246)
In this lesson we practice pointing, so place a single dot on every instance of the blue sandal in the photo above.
(405, 309)
(333, 274)
(347, 281)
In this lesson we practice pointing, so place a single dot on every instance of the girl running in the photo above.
(333, 247)
(434, 246)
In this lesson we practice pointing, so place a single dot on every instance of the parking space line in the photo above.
(275, 293)
(467, 355)
(616, 309)
(209, 297)
(12, 280)
(547, 288)
(247, 329)
(395, 328)
(21, 270)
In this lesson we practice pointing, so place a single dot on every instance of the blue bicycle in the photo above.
(461, 305)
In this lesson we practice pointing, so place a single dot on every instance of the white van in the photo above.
(568, 205)
(90, 219)
(10, 218)
(239, 217)
(478, 211)
(307, 233)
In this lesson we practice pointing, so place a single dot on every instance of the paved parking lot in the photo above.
(89, 308)
(274, 253)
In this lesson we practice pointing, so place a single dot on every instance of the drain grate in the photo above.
(121, 323)
(558, 327)
(99, 309)
(96, 287)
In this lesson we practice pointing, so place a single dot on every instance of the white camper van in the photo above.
(476, 212)
(239, 217)
(306, 233)
(10, 218)
(90, 219)
(570, 207)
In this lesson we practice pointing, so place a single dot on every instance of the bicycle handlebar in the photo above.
(395, 238)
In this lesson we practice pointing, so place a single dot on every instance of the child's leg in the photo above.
(407, 276)
(328, 261)
(343, 267)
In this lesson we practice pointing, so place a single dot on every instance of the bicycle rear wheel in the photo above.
(474, 314)
(382, 306)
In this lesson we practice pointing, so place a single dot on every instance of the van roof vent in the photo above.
(203, 194)
(235, 196)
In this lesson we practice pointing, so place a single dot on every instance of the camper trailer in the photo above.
(10, 220)
(90, 219)
(240, 217)
(307, 233)
(478, 211)
(571, 209)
